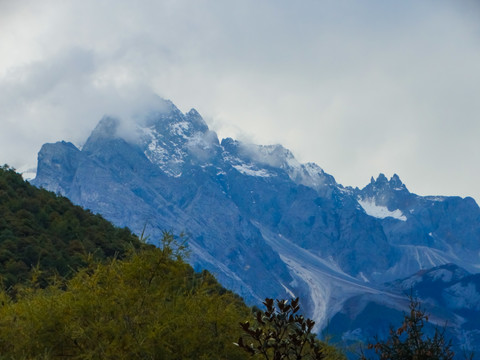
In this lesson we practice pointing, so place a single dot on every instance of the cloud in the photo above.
(64, 97)
(359, 88)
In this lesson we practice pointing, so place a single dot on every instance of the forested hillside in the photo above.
(45, 232)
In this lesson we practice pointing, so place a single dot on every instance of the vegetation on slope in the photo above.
(39, 230)
(148, 306)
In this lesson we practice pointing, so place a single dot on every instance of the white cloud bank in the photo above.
(357, 87)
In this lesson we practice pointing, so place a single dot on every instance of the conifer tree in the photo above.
(410, 342)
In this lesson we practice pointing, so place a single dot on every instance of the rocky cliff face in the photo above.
(263, 223)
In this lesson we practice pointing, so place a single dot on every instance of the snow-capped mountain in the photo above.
(263, 223)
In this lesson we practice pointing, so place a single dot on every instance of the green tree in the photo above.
(410, 342)
(280, 332)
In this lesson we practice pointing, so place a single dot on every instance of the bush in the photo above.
(281, 333)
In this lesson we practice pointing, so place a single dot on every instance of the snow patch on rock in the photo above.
(251, 171)
(380, 212)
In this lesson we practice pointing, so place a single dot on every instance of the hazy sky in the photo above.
(358, 87)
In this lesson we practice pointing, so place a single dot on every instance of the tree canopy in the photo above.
(40, 230)
(147, 306)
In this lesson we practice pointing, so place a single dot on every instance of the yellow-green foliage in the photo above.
(149, 306)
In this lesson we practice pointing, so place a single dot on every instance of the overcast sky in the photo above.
(358, 87)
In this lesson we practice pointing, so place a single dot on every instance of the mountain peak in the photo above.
(106, 127)
(193, 112)
(396, 183)
(197, 120)
(382, 183)
(381, 179)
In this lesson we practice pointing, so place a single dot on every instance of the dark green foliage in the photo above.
(409, 341)
(281, 333)
(41, 230)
